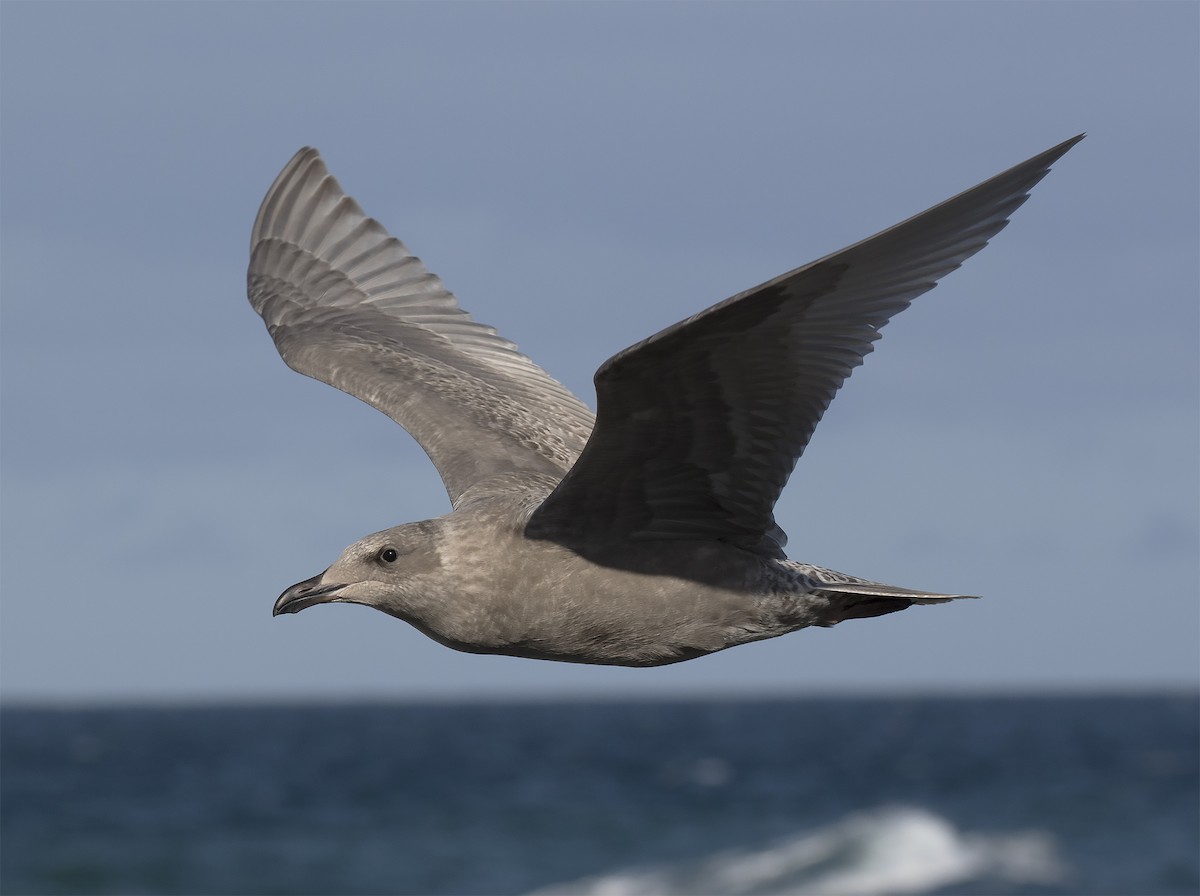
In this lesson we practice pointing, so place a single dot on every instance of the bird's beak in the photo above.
(305, 594)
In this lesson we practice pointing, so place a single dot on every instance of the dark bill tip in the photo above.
(305, 594)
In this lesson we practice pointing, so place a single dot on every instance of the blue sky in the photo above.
(581, 175)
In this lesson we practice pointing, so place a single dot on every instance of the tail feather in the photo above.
(862, 600)
(874, 589)
(849, 597)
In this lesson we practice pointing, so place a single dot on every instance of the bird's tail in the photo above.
(862, 600)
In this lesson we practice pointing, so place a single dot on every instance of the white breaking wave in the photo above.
(891, 850)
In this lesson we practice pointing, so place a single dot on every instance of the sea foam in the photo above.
(884, 851)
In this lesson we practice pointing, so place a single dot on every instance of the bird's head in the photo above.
(384, 570)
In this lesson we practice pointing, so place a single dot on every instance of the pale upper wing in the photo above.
(349, 305)
(699, 426)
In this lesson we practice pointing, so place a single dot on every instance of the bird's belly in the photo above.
(561, 606)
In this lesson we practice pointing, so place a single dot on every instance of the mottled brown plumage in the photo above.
(639, 537)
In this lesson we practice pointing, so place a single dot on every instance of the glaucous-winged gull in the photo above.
(642, 535)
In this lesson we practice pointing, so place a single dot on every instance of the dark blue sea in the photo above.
(959, 795)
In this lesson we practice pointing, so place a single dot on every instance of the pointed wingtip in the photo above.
(305, 165)
(1057, 152)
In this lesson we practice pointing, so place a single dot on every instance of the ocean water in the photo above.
(827, 796)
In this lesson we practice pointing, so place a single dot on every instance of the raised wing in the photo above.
(349, 305)
(700, 425)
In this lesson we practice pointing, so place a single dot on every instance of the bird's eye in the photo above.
(389, 555)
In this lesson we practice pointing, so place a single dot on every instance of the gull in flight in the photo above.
(642, 534)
